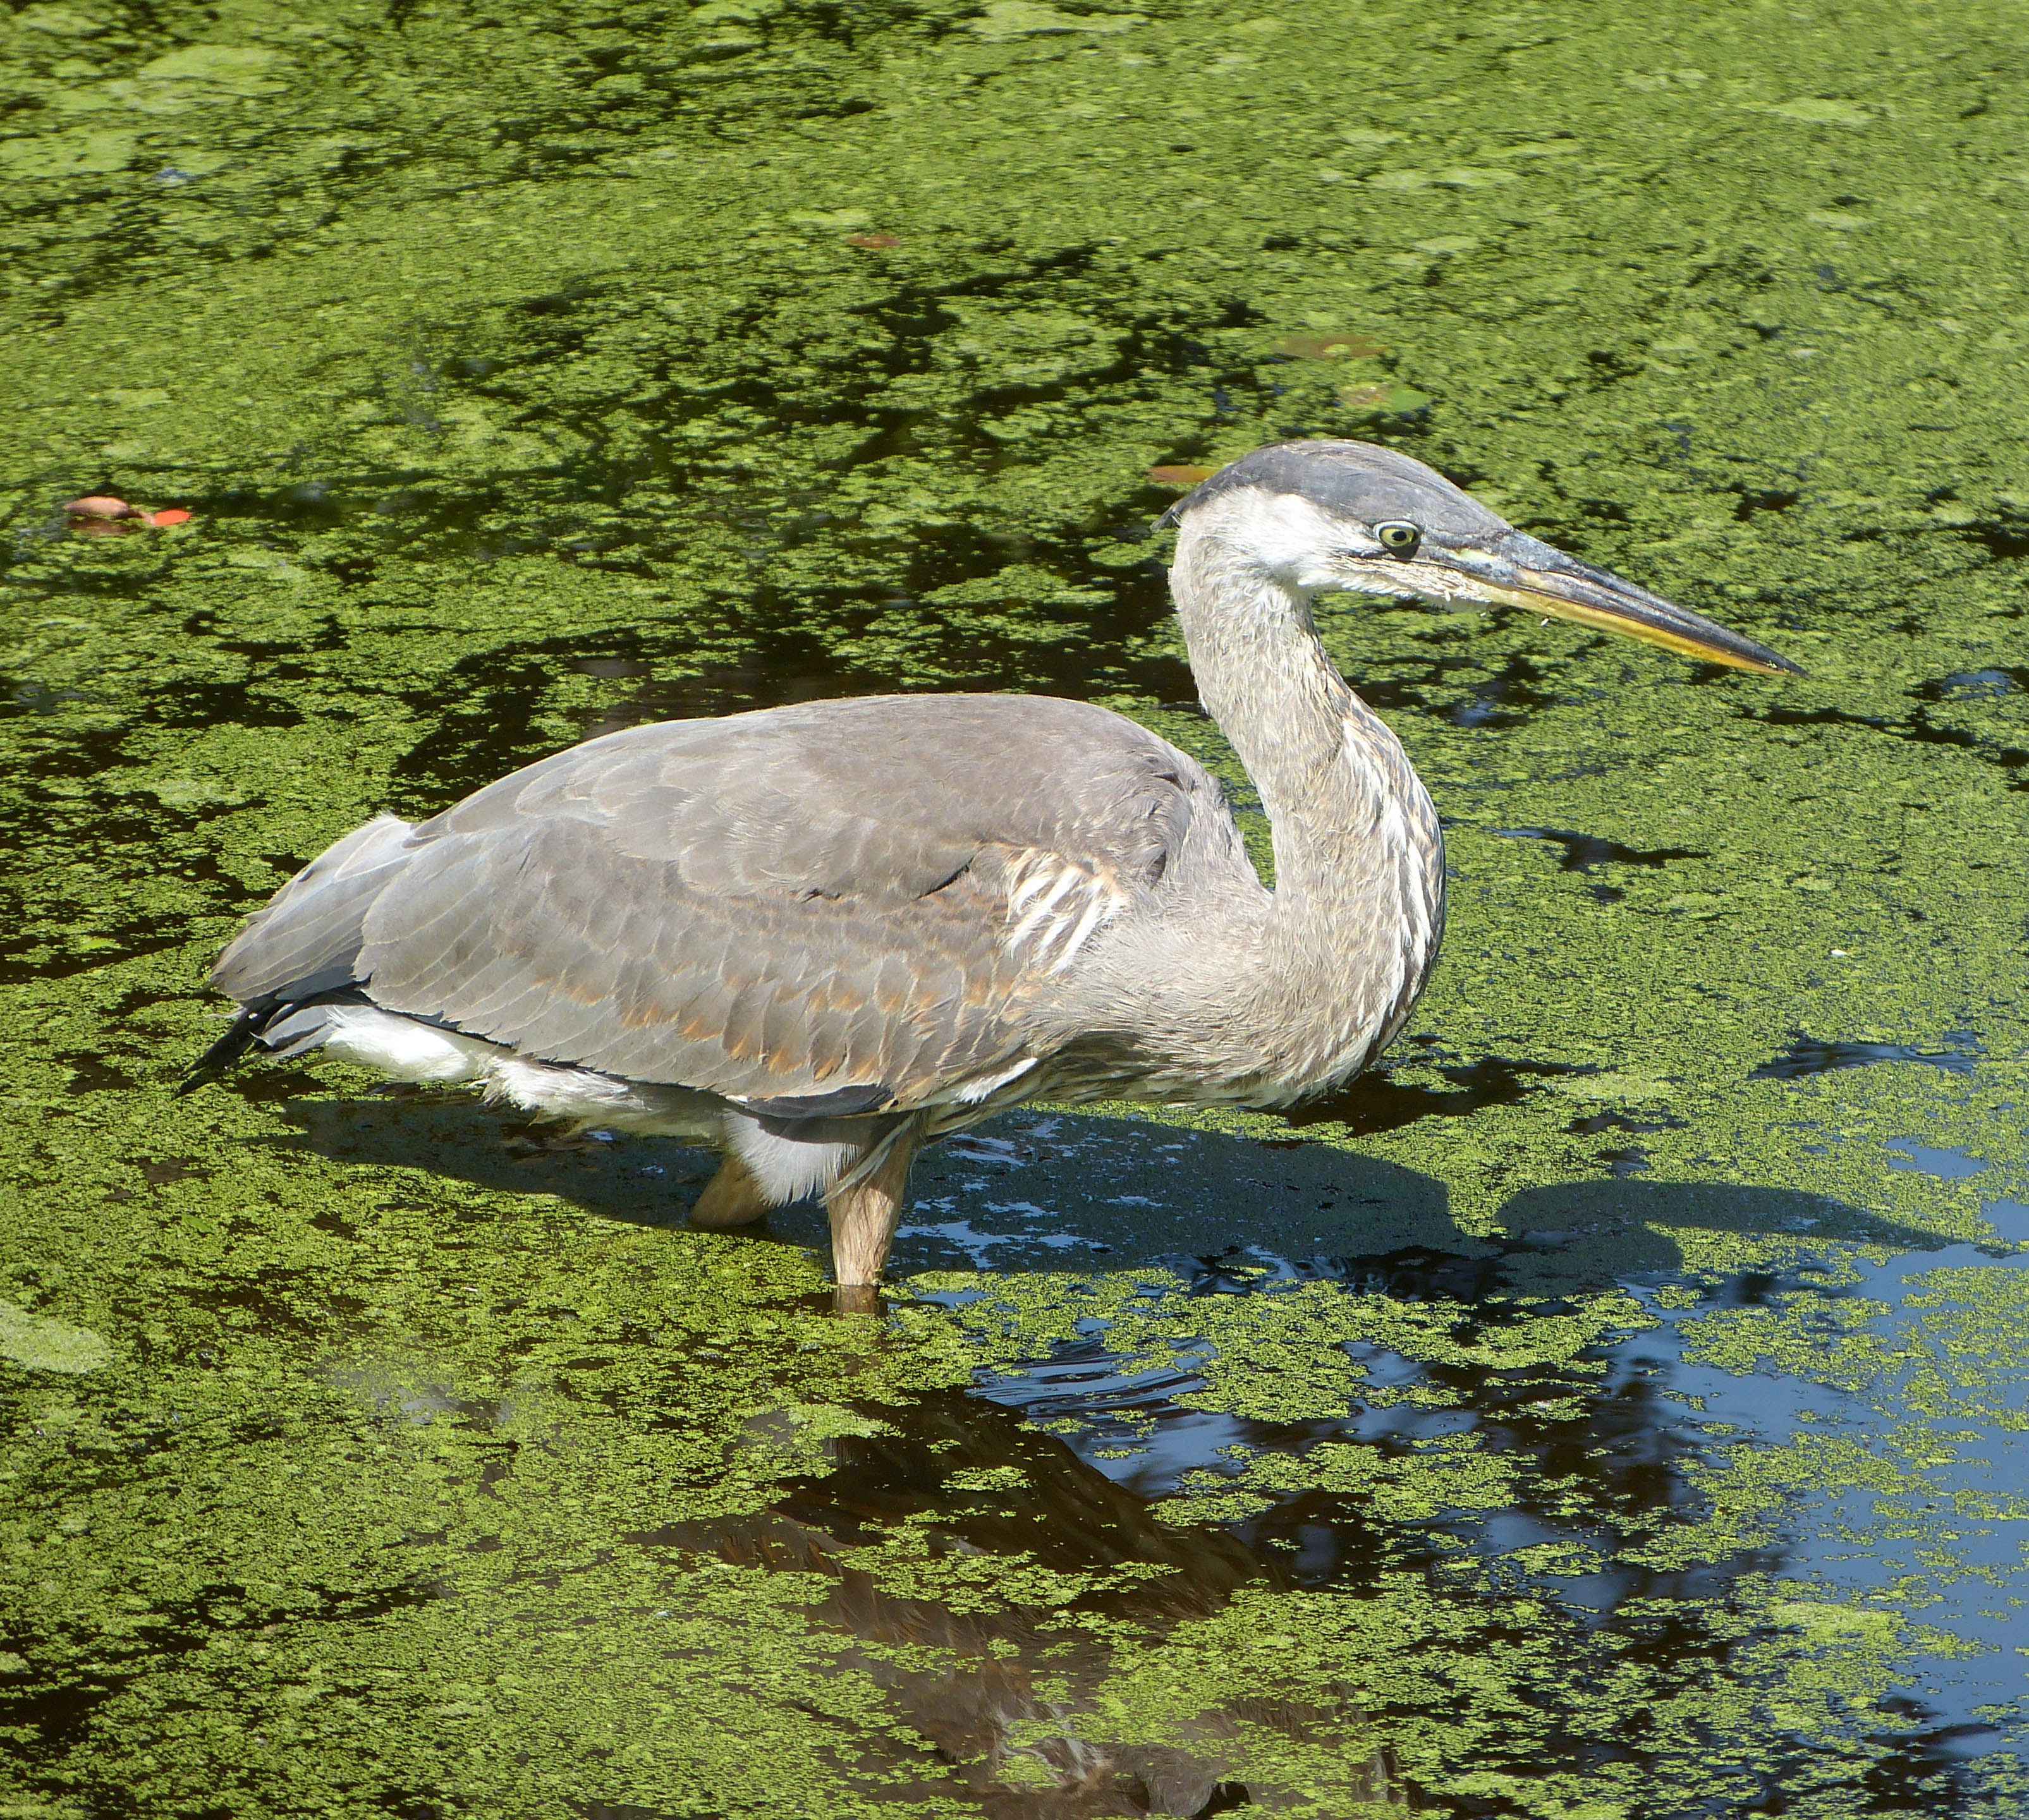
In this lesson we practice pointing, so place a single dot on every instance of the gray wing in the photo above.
(853, 899)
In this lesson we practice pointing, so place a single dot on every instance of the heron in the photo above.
(814, 938)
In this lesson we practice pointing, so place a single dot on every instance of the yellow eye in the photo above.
(1399, 537)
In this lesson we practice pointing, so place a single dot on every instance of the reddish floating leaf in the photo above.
(173, 515)
(875, 242)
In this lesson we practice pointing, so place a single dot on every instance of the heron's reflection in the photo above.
(1011, 1705)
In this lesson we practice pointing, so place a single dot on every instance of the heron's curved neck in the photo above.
(1338, 790)
(1358, 899)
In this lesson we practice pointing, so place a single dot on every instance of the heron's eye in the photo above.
(1399, 537)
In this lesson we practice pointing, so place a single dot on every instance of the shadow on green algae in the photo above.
(1612, 1407)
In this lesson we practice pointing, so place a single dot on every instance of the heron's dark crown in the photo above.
(1355, 480)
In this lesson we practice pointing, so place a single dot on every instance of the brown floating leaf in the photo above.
(101, 506)
(874, 243)
(1365, 397)
(1185, 477)
(1324, 346)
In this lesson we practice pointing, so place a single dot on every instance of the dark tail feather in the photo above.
(241, 1034)
(252, 1026)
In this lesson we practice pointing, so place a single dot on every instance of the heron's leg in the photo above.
(732, 1198)
(865, 1212)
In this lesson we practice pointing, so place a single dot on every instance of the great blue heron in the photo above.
(815, 937)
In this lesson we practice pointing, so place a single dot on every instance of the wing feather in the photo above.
(854, 897)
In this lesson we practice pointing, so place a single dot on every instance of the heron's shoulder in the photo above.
(925, 756)
(897, 722)
(889, 723)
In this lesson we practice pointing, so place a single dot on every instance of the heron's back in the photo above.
(871, 896)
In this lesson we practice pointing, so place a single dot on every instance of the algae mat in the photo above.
(1615, 1408)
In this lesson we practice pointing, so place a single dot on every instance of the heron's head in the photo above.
(1326, 515)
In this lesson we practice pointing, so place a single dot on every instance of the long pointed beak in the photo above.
(1521, 571)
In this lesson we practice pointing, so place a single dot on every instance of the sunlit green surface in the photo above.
(1659, 1450)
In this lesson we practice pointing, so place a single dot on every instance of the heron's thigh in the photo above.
(865, 1215)
(732, 1198)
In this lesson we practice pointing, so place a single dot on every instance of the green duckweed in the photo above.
(1605, 1411)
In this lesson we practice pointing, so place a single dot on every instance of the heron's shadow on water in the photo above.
(1038, 1190)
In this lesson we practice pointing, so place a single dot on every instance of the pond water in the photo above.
(1612, 1409)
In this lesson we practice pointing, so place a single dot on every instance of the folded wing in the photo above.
(845, 902)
